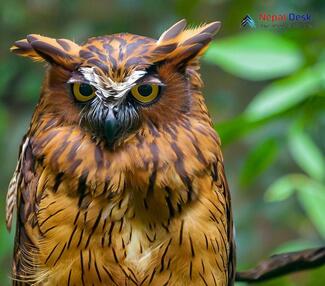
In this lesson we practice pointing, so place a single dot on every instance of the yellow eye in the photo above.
(83, 91)
(145, 93)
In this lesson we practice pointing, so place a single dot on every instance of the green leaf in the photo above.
(282, 188)
(256, 56)
(295, 245)
(312, 197)
(306, 154)
(233, 129)
(257, 161)
(285, 94)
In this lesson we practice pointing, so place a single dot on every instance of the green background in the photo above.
(264, 88)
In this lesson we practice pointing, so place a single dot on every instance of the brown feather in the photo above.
(153, 210)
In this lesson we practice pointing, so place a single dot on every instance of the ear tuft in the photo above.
(184, 44)
(202, 38)
(49, 49)
(24, 48)
(212, 28)
(55, 51)
(173, 31)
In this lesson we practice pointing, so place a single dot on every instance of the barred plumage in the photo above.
(114, 191)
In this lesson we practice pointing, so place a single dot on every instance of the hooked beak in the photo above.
(111, 123)
(112, 126)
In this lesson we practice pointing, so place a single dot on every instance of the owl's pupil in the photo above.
(85, 89)
(145, 89)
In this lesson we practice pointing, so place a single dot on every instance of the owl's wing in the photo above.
(11, 199)
(220, 182)
(22, 194)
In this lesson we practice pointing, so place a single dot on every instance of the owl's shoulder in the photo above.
(11, 198)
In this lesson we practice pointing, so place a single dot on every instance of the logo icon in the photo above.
(248, 22)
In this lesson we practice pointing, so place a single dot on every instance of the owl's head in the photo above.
(112, 85)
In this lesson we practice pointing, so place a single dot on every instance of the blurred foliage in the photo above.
(265, 91)
(256, 56)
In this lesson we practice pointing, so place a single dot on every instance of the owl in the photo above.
(120, 177)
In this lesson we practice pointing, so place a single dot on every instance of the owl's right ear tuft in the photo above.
(182, 46)
(25, 49)
(61, 52)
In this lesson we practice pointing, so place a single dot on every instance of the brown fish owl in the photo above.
(120, 178)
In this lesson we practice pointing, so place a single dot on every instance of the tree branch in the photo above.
(282, 264)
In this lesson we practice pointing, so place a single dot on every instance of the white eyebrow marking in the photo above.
(109, 89)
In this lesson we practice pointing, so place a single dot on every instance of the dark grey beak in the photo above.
(111, 123)
(112, 126)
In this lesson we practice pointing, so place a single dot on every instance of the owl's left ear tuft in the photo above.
(180, 45)
(25, 49)
(55, 51)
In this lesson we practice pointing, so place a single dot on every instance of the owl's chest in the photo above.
(99, 241)
(142, 236)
